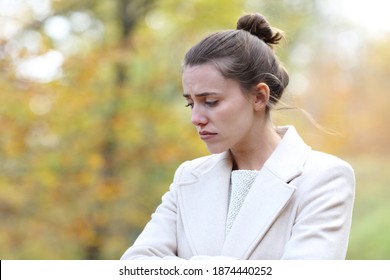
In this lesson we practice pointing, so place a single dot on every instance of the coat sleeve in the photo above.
(158, 239)
(324, 213)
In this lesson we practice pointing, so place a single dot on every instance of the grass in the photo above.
(370, 233)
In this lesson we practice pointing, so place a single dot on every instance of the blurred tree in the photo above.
(71, 150)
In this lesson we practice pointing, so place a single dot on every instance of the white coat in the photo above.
(299, 207)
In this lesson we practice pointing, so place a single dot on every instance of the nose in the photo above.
(198, 117)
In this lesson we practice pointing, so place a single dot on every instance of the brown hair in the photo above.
(245, 55)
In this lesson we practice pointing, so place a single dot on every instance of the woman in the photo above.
(263, 194)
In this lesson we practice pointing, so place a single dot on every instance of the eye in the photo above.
(211, 103)
(191, 105)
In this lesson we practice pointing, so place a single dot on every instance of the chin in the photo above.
(216, 149)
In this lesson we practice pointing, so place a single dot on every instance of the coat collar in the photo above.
(204, 200)
(287, 161)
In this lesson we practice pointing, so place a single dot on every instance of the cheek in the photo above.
(235, 116)
(224, 116)
(240, 108)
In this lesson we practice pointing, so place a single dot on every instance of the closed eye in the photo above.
(191, 105)
(206, 98)
(211, 103)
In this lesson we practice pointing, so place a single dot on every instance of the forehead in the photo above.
(203, 78)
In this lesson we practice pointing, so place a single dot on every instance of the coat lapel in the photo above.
(266, 199)
(268, 196)
(203, 205)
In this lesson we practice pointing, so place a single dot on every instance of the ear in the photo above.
(262, 94)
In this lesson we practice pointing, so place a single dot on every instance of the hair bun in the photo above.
(257, 25)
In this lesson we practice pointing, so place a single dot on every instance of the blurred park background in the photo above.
(93, 123)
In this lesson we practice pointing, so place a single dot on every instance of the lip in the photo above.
(206, 135)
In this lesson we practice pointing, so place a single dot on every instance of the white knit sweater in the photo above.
(241, 182)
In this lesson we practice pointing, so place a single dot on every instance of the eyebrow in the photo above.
(203, 94)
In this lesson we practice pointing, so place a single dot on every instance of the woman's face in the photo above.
(222, 113)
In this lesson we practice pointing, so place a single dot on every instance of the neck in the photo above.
(259, 147)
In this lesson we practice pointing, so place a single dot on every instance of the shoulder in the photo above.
(319, 162)
(326, 173)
